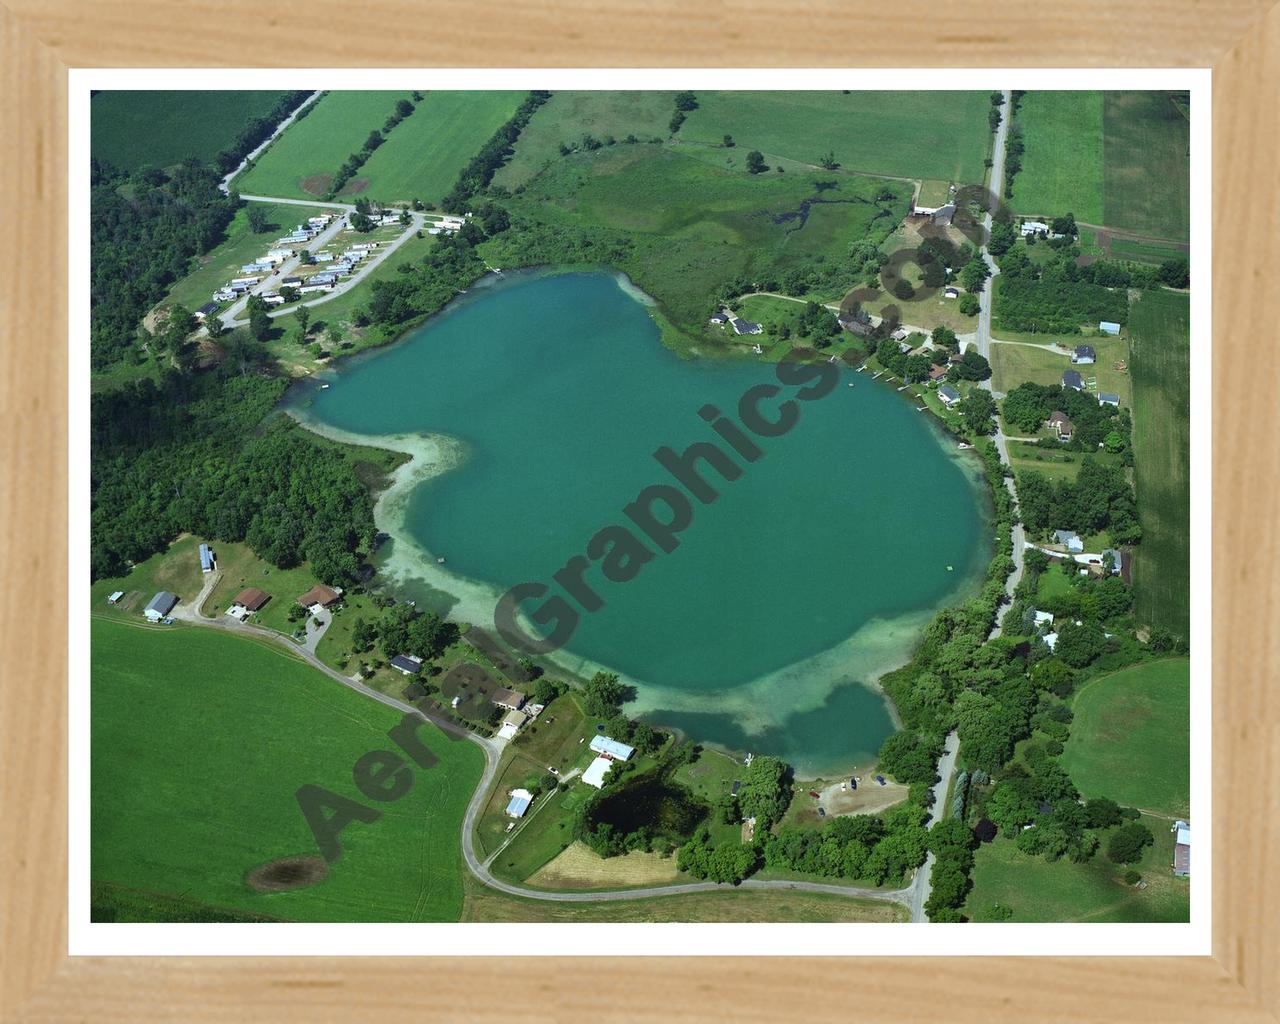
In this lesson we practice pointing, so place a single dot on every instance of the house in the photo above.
(520, 801)
(943, 215)
(1034, 227)
(1043, 618)
(900, 334)
(1072, 379)
(324, 257)
(611, 748)
(949, 395)
(291, 282)
(719, 317)
(1070, 540)
(509, 699)
(1061, 425)
(1107, 398)
(511, 724)
(319, 597)
(1181, 848)
(365, 245)
(741, 326)
(224, 295)
(206, 558)
(273, 299)
(1107, 327)
(596, 771)
(246, 602)
(160, 606)
(208, 309)
(1117, 559)
(325, 286)
(244, 280)
(407, 664)
(1051, 641)
(936, 373)
(1084, 354)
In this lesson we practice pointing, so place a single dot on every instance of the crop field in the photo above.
(938, 135)
(1144, 252)
(580, 867)
(200, 740)
(1161, 344)
(1037, 890)
(301, 163)
(1131, 737)
(1146, 175)
(158, 128)
(567, 116)
(424, 153)
(681, 227)
(1062, 163)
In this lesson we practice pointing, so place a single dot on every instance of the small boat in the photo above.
(440, 561)
(324, 387)
(850, 384)
(951, 568)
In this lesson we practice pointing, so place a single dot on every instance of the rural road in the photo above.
(923, 882)
(225, 184)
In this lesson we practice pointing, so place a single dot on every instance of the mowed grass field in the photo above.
(940, 135)
(569, 115)
(295, 165)
(425, 152)
(1062, 162)
(154, 128)
(1160, 331)
(1119, 159)
(200, 740)
(1131, 737)
(1016, 363)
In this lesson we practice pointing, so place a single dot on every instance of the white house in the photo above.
(1043, 618)
(1069, 539)
(596, 771)
(608, 747)
(1034, 227)
(1051, 641)
(949, 395)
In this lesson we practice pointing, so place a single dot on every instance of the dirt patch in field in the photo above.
(316, 184)
(353, 186)
(868, 798)
(287, 873)
(579, 867)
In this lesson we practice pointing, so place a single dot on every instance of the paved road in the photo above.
(225, 184)
(923, 882)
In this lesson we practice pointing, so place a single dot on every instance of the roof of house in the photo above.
(1058, 416)
(1107, 398)
(507, 697)
(1065, 536)
(1085, 352)
(610, 746)
(515, 718)
(1043, 616)
(941, 370)
(520, 801)
(319, 594)
(948, 392)
(207, 308)
(596, 771)
(1072, 379)
(251, 598)
(163, 602)
(406, 664)
(741, 326)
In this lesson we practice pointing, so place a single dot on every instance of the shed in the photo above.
(596, 771)
(1072, 379)
(611, 748)
(520, 801)
(206, 558)
(1182, 849)
(408, 664)
(114, 597)
(160, 606)
(1108, 327)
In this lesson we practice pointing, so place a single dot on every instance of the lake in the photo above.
(812, 573)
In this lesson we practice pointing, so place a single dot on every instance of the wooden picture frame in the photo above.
(41, 39)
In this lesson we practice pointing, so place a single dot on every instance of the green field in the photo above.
(158, 129)
(1062, 164)
(1041, 891)
(301, 163)
(1146, 252)
(424, 153)
(1013, 364)
(940, 135)
(1119, 159)
(567, 116)
(1159, 325)
(200, 740)
(1131, 738)
(1147, 174)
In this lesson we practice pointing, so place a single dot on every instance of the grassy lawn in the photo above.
(1160, 326)
(1053, 582)
(1147, 170)
(176, 569)
(1037, 890)
(246, 724)
(938, 135)
(710, 778)
(544, 835)
(727, 905)
(424, 153)
(555, 738)
(1131, 737)
(301, 163)
(1062, 163)
(580, 867)
(154, 128)
(241, 568)
(927, 311)
(491, 826)
(569, 115)
(1014, 364)
(1056, 465)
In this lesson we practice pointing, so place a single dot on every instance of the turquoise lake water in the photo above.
(810, 575)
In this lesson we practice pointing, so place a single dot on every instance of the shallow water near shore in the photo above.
(533, 407)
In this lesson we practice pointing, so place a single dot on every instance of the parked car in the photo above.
(813, 793)
(880, 779)
(822, 812)
(853, 783)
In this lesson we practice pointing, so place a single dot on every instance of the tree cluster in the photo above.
(1055, 297)
(475, 177)
(1100, 498)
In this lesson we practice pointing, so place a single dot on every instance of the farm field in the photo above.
(938, 135)
(1037, 890)
(183, 807)
(303, 160)
(1131, 738)
(1146, 175)
(729, 905)
(1062, 163)
(154, 128)
(425, 152)
(1159, 325)
(1145, 252)
(569, 115)
(580, 867)
(1015, 363)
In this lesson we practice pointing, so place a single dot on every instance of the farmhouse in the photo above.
(1034, 227)
(1061, 425)
(160, 606)
(608, 747)
(246, 602)
(949, 395)
(1107, 327)
(596, 771)
(511, 724)
(1181, 848)
(1068, 539)
(407, 664)
(520, 801)
(1107, 398)
(509, 699)
(741, 326)
(1084, 354)
(319, 597)
(1072, 379)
